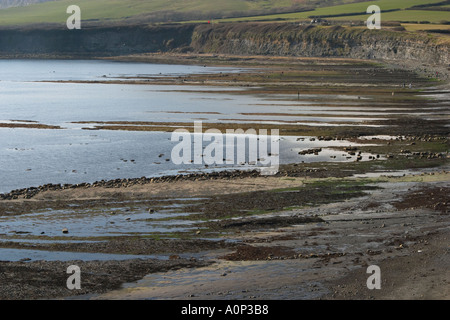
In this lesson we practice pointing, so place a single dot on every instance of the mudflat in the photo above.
(318, 251)
(308, 232)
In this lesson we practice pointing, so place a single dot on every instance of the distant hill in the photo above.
(19, 3)
(148, 11)
(134, 12)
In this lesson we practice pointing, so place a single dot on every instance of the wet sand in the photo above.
(316, 252)
(329, 259)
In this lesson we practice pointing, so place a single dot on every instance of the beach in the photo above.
(318, 252)
(309, 231)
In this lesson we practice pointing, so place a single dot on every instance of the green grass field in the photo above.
(362, 6)
(347, 12)
(406, 16)
(424, 27)
(106, 11)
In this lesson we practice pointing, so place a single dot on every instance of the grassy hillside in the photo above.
(139, 11)
(397, 10)
(407, 16)
(113, 10)
(18, 3)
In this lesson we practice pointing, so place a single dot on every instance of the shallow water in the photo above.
(94, 224)
(30, 94)
(83, 224)
(32, 157)
(94, 70)
(37, 255)
(91, 225)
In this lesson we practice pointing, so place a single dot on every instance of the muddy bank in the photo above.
(420, 275)
(328, 259)
(47, 279)
(28, 193)
(415, 128)
(130, 246)
(432, 198)
(28, 126)
(397, 159)
(338, 229)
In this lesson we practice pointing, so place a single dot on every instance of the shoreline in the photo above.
(280, 243)
(247, 61)
(415, 130)
(340, 241)
(320, 218)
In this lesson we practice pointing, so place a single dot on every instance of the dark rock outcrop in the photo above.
(280, 39)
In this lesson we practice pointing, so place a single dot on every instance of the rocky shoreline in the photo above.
(31, 192)
(311, 236)
(47, 279)
(288, 171)
(319, 218)
(293, 170)
(28, 193)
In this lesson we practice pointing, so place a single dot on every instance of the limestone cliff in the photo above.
(320, 41)
(242, 39)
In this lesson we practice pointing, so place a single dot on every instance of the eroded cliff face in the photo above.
(240, 39)
(309, 41)
(93, 42)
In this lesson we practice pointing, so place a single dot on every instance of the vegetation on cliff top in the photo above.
(137, 11)
(291, 35)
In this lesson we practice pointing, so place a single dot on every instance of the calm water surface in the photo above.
(32, 157)
(31, 94)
